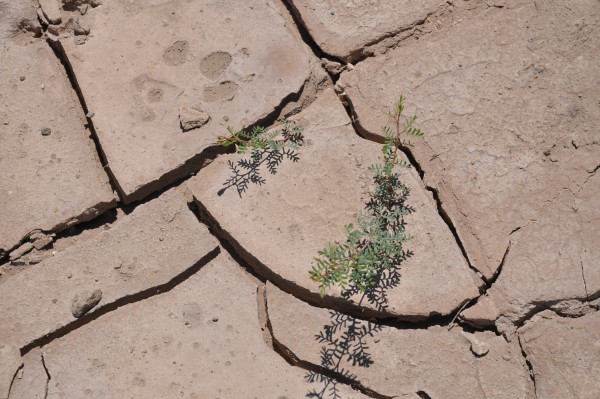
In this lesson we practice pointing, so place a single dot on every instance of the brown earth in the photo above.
(138, 260)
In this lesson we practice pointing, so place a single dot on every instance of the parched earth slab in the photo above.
(280, 226)
(202, 339)
(50, 175)
(564, 354)
(139, 255)
(164, 79)
(509, 104)
(553, 260)
(342, 29)
(395, 362)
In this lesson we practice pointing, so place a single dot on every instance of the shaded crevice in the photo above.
(48, 376)
(423, 395)
(172, 178)
(500, 267)
(60, 53)
(451, 226)
(45, 252)
(529, 366)
(263, 273)
(489, 285)
(14, 377)
(309, 40)
(328, 374)
(123, 301)
(90, 219)
(195, 208)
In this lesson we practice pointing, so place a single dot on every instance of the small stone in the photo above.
(36, 235)
(192, 118)
(54, 30)
(42, 242)
(22, 78)
(35, 257)
(89, 115)
(215, 319)
(82, 8)
(22, 250)
(46, 131)
(17, 262)
(332, 67)
(479, 348)
(78, 29)
(84, 302)
(51, 10)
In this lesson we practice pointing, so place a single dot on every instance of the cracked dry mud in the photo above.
(127, 268)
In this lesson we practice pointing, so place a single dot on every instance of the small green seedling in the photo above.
(375, 241)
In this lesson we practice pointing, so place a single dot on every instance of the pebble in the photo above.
(84, 302)
(46, 131)
(479, 348)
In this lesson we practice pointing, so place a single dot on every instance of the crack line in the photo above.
(587, 294)
(292, 359)
(48, 376)
(363, 133)
(529, 365)
(12, 381)
(62, 57)
(123, 301)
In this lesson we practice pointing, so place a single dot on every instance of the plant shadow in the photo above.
(346, 340)
(266, 150)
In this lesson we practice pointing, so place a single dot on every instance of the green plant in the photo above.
(266, 146)
(374, 243)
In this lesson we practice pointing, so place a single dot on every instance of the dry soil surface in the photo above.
(140, 259)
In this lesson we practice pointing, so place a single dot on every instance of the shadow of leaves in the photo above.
(266, 150)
